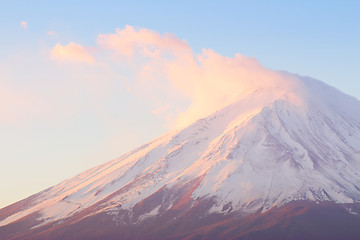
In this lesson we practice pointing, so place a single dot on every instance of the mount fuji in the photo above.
(280, 162)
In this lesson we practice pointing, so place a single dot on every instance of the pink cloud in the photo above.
(178, 84)
(71, 52)
(168, 68)
(213, 81)
(24, 24)
(147, 42)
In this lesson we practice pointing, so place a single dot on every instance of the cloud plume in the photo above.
(179, 84)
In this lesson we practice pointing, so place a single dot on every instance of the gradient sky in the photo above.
(75, 92)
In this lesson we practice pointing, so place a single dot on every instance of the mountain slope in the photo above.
(289, 143)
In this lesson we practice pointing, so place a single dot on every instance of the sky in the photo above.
(83, 82)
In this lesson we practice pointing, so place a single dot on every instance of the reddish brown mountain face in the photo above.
(296, 220)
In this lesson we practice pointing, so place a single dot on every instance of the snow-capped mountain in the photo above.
(272, 149)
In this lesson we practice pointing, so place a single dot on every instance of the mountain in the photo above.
(281, 162)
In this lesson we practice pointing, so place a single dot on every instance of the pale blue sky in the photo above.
(87, 123)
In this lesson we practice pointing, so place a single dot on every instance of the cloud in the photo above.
(51, 33)
(213, 81)
(168, 68)
(72, 52)
(146, 42)
(176, 83)
(24, 25)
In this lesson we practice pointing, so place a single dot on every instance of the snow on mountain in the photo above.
(276, 144)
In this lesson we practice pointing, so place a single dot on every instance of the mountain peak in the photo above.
(276, 144)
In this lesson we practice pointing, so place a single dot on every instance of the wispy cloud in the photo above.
(168, 67)
(178, 84)
(71, 52)
(144, 41)
(24, 25)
